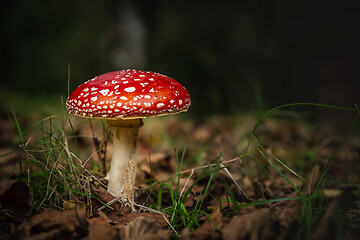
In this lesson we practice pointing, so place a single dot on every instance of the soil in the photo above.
(247, 198)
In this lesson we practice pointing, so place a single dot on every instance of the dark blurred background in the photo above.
(230, 55)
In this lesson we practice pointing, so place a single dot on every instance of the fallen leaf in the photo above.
(287, 215)
(189, 201)
(255, 225)
(53, 224)
(100, 229)
(127, 218)
(118, 208)
(17, 199)
(330, 193)
(72, 204)
(8, 223)
(209, 228)
(142, 228)
(312, 179)
(340, 209)
(185, 234)
(259, 190)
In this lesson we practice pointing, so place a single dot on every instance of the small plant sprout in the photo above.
(124, 98)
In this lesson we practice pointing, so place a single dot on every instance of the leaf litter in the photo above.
(250, 197)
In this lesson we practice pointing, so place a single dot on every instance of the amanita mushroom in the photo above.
(124, 98)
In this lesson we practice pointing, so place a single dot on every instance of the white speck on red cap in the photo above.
(154, 93)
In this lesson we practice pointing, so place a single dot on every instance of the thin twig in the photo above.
(187, 180)
(122, 201)
(148, 209)
(202, 167)
(86, 170)
(227, 171)
(171, 226)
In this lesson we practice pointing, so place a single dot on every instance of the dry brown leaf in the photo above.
(106, 197)
(17, 199)
(286, 215)
(72, 204)
(104, 216)
(202, 134)
(330, 193)
(100, 229)
(247, 184)
(185, 234)
(53, 224)
(255, 225)
(8, 223)
(189, 201)
(312, 179)
(127, 218)
(9, 165)
(347, 209)
(259, 190)
(142, 228)
(209, 227)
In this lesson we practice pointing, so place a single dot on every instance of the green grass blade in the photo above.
(210, 180)
(20, 133)
(278, 171)
(263, 202)
(283, 164)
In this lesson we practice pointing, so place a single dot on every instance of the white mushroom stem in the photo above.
(124, 159)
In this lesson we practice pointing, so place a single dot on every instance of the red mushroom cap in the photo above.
(128, 94)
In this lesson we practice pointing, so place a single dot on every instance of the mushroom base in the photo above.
(124, 159)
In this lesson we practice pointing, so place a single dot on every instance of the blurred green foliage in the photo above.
(231, 55)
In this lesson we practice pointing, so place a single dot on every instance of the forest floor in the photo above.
(195, 180)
